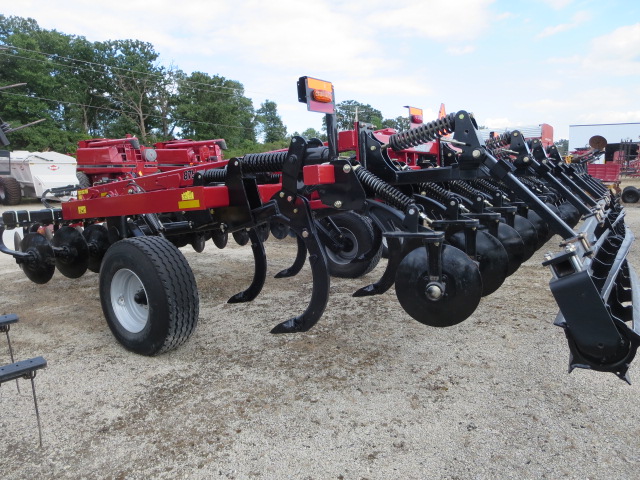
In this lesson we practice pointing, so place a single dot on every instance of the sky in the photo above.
(511, 63)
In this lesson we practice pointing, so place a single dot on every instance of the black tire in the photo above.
(10, 191)
(148, 294)
(83, 180)
(358, 231)
(630, 194)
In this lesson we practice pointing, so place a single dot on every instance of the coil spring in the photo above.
(436, 191)
(463, 188)
(382, 189)
(215, 175)
(263, 162)
(500, 141)
(486, 187)
(424, 133)
(532, 184)
(252, 163)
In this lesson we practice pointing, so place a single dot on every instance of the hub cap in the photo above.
(129, 300)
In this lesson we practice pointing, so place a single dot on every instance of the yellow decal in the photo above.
(188, 195)
(83, 192)
(188, 204)
(82, 210)
(104, 194)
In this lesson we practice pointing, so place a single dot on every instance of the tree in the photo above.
(136, 81)
(313, 133)
(347, 111)
(269, 122)
(213, 107)
(563, 146)
(399, 123)
(48, 93)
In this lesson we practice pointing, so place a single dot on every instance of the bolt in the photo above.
(461, 116)
(235, 163)
(295, 210)
(452, 203)
(281, 194)
(305, 233)
(346, 168)
(476, 153)
(433, 292)
(289, 198)
(423, 193)
(337, 204)
(372, 148)
(412, 211)
(526, 159)
(293, 140)
(548, 256)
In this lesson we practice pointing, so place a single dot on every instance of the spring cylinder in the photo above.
(382, 189)
(500, 141)
(263, 162)
(486, 187)
(252, 163)
(463, 188)
(436, 191)
(423, 134)
(215, 175)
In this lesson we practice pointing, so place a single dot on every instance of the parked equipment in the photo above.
(441, 223)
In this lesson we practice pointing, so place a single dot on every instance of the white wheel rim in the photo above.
(132, 314)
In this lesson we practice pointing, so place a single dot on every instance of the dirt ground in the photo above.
(369, 393)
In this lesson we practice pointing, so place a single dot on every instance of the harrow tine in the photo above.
(298, 263)
(259, 273)
(388, 277)
(301, 223)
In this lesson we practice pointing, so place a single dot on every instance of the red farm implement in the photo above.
(103, 160)
(455, 227)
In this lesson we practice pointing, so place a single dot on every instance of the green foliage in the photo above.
(563, 146)
(313, 133)
(399, 123)
(269, 122)
(347, 111)
(108, 89)
(213, 107)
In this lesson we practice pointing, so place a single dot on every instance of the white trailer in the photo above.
(34, 174)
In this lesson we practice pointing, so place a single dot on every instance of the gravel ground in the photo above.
(369, 393)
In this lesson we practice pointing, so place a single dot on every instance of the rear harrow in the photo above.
(601, 331)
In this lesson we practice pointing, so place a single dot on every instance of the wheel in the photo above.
(148, 295)
(10, 191)
(83, 180)
(630, 194)
(357, 237)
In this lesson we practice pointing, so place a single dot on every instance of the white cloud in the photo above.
(496, 122)
(557, 4)
(461, 50)
(578, 19)
(616, 52)
(440, 20)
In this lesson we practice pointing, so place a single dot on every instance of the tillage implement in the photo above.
(453, 215)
